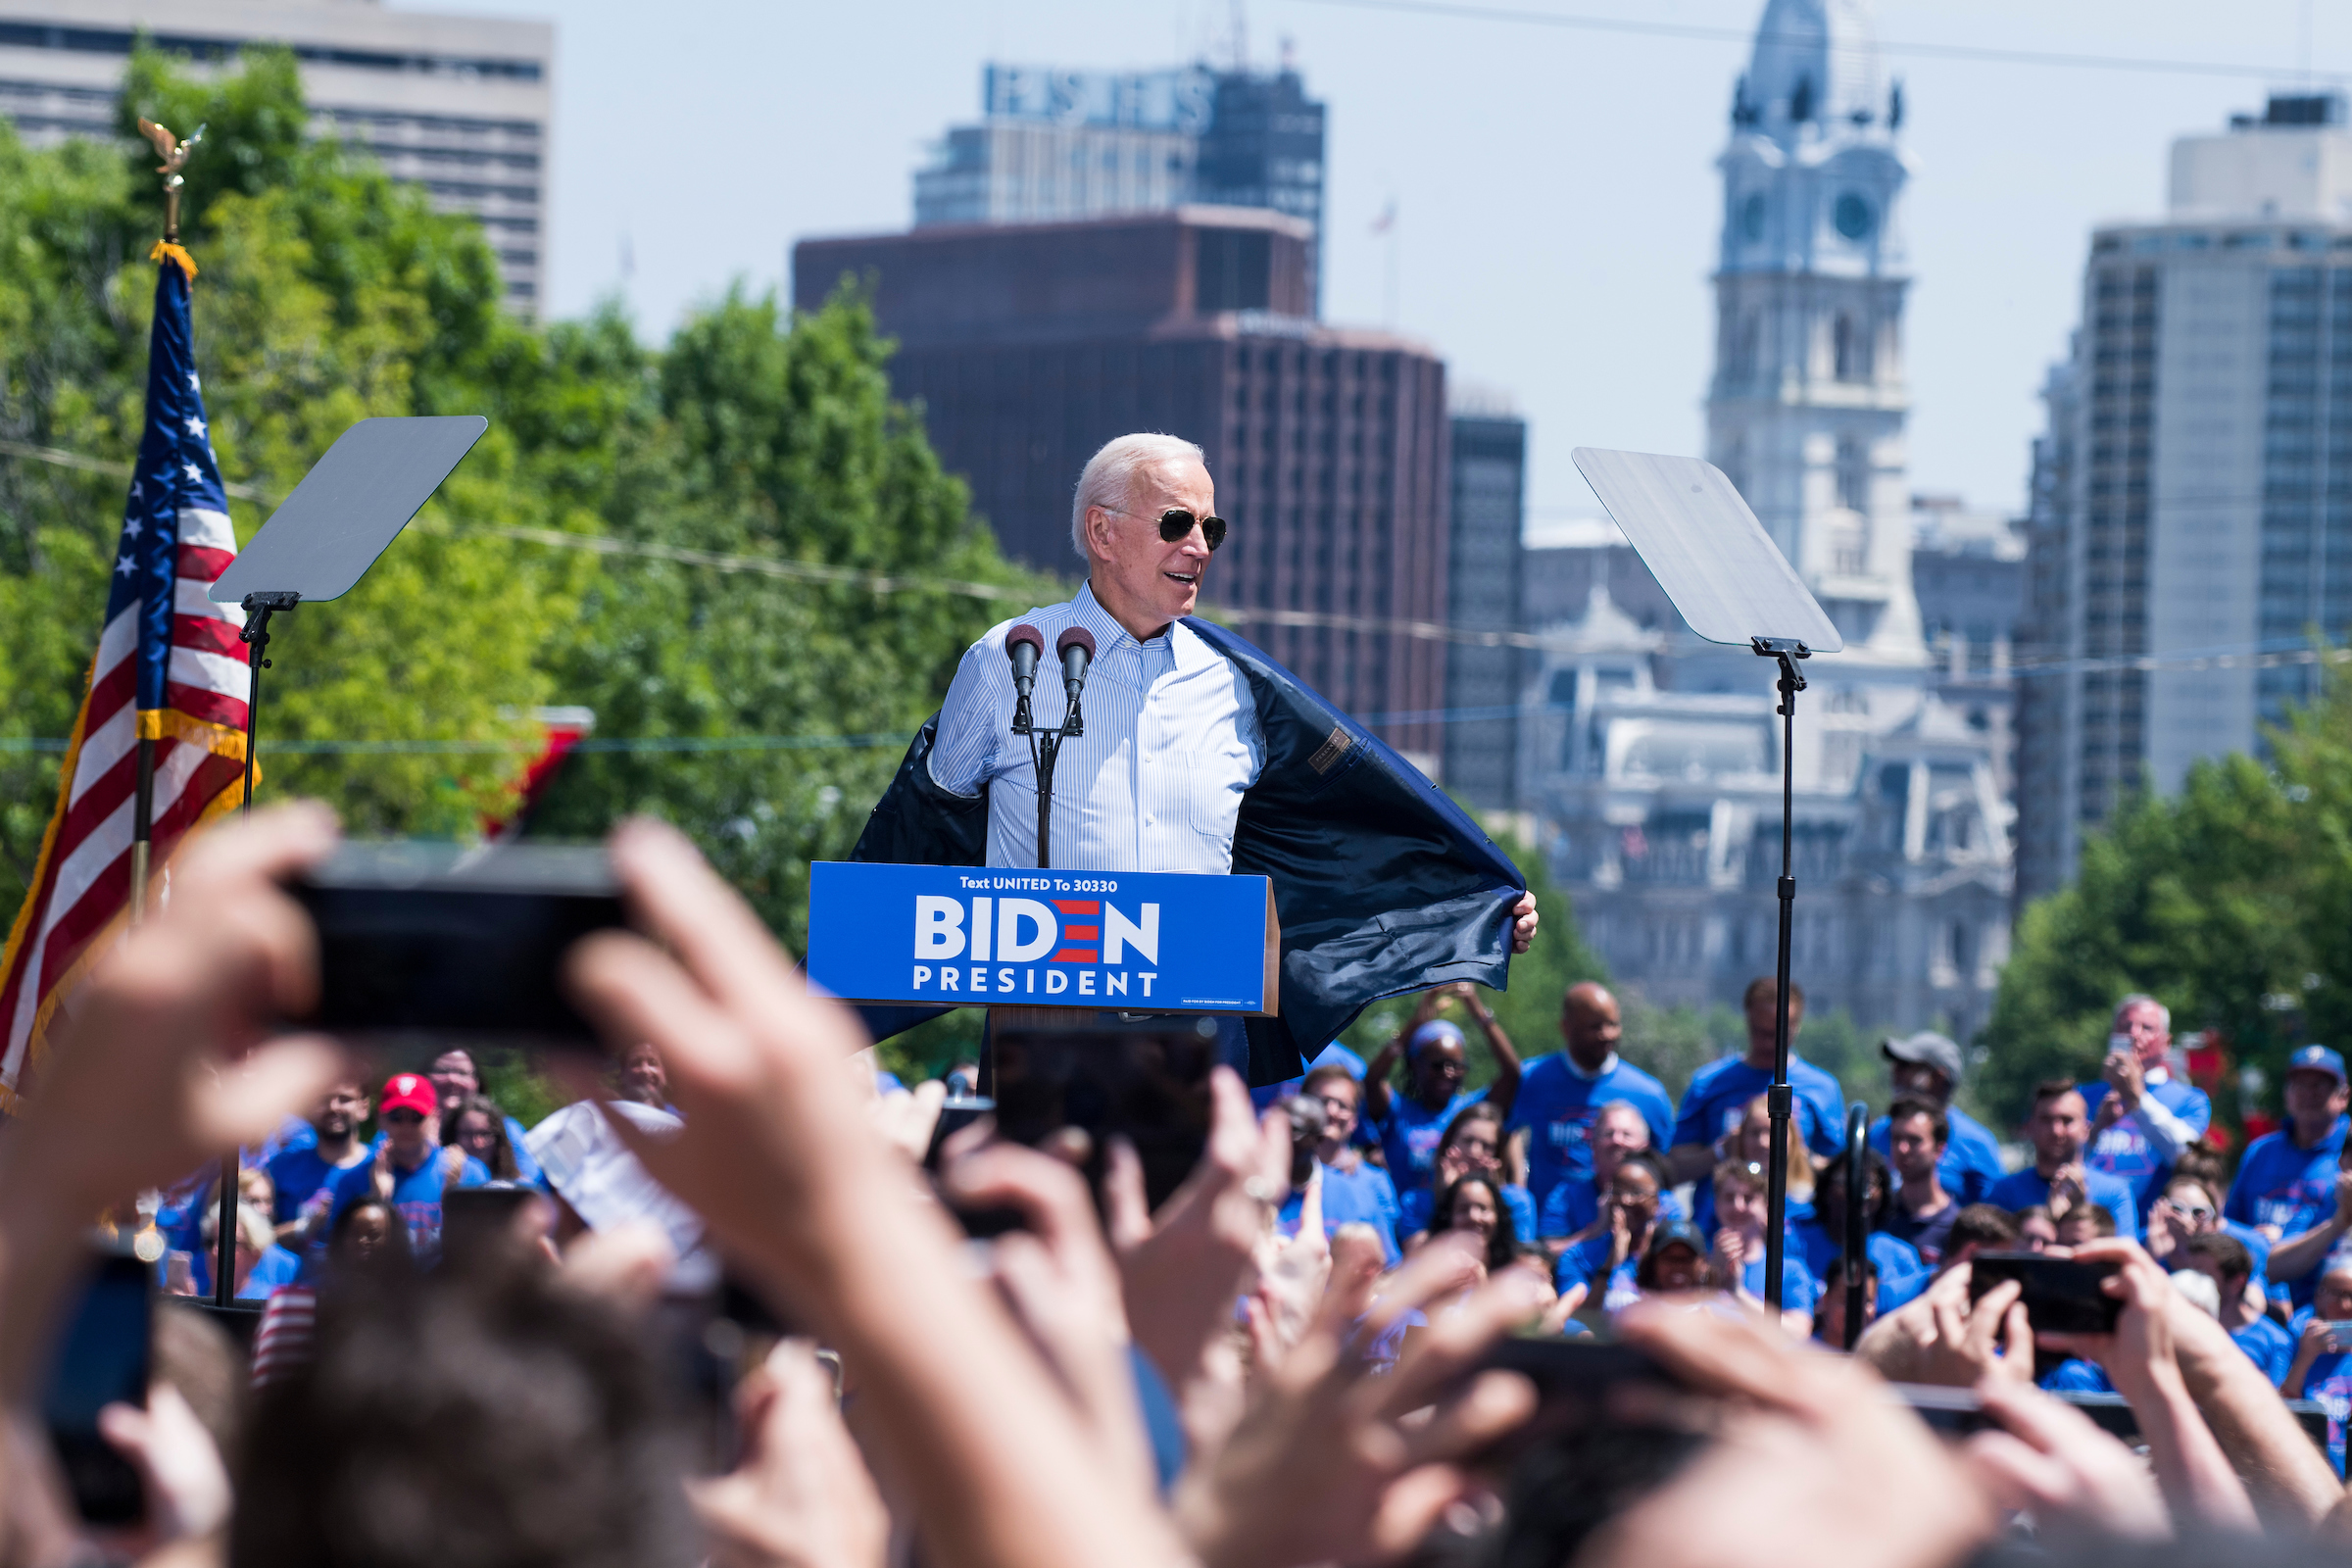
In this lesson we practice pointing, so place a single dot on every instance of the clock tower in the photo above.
(1808, 402)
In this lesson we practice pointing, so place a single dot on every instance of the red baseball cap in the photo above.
(405, 1091)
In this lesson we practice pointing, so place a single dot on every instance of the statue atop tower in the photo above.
(1808, 403)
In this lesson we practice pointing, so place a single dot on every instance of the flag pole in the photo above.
(175, 155)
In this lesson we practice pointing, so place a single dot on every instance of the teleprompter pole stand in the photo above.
(258, 608)
(1778, 1100)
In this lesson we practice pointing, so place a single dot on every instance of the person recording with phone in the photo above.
(2322, 1370)
(2141, 1117)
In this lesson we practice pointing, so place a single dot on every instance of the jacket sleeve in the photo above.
(1383, 885)
(916, 822)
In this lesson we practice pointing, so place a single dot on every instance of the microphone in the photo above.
(1077, 650)
(1024, 645)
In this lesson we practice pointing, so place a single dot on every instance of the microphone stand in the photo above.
(1045, 746)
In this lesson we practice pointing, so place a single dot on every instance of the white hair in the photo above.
(1109, 479)
(2140, 998)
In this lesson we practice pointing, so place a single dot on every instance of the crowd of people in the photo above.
(1314, 1351)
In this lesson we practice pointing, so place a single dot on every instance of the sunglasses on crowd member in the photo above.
(404, 1116)
(1176, 522)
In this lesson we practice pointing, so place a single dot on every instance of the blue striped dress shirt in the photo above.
(1154, 783)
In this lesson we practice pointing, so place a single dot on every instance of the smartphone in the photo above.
(956, 1112)
(420, 940)
(1145, 1082)
(104, 1357)
(2062, 1294)
(2339, 1336)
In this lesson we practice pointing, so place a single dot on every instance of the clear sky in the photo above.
(1555, 187)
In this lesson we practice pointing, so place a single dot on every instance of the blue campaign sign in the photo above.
(983, 936)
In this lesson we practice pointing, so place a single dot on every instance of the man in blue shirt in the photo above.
(1562, 1095)
(1355, 1190)
(1927, 1066)
(1718, 1093)
(1436, 1065)
(298, 1177)
(2141, 1116)
(412, 1168)
(2058, 1178)
(2290, 1186)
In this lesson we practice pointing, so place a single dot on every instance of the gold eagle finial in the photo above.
(175, 155)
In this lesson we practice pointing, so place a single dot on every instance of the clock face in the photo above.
(1752, 215)
(1854, 216)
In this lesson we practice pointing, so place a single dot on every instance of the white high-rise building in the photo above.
(1656, 761)
(2192, 496)
(463, 105)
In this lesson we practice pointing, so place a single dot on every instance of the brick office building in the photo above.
(1027, 346)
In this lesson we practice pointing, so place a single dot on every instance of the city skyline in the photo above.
(1461, 123)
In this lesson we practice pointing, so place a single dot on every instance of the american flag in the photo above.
(170, 668)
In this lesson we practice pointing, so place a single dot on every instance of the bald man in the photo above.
(1560, 1097)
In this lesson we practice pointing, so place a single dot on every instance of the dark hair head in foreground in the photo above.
(491, 1421)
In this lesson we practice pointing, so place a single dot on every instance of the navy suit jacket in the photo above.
(1382, 884)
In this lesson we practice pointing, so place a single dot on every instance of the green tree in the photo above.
(2206, 900)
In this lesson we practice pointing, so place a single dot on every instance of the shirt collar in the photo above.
(1185, 647)
(1607, 1067)
(2158, 1075)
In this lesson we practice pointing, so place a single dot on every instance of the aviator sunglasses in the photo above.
(1176, 522)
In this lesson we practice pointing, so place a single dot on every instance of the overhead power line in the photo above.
(2276, 652)
(1944, 51)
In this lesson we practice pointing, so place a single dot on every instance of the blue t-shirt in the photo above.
(1799, 1289)
(2270, 1346)
(1902, 1273)
(1362, 1196)
(416, 1196)
(1970, 1161)
(1719, 1093)
(1410, 1134)
(2074, 1375)
(277, 1267)
(297, 1175)
(1576, 1203)
(2025, 1188)
(1414, 1210)
(2283, 1191)
(2124, 1150)
(2328, 1385)
(1558, 1106)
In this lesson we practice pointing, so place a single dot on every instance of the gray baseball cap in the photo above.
(1927, 1048)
